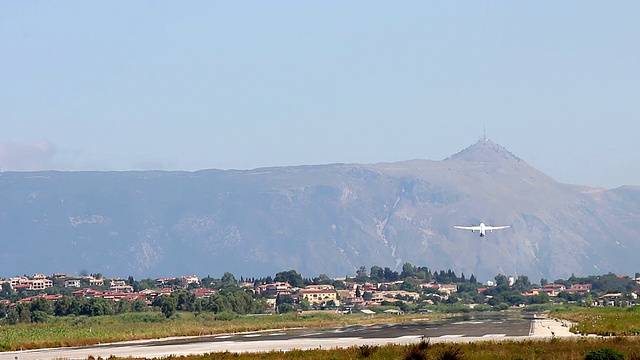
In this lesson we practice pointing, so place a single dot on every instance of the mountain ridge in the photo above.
(318, 219)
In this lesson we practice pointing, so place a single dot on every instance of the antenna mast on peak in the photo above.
(484, 132)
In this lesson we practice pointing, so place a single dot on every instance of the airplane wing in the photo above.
(496, 227)
(472, 228)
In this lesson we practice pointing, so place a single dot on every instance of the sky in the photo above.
(120, 85)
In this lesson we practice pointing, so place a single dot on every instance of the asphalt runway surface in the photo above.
(456, 330)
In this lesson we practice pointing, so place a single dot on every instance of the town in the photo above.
(415, 289)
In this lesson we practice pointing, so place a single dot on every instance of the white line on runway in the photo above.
(494, 335)
(450, 336)
(252, 335)
(224, 337)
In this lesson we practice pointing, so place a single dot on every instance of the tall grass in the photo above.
(489, 350)
(604, 321)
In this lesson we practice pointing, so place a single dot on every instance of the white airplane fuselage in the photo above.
(482, 228)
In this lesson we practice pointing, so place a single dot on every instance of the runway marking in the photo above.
(468, 322)
(312, 334)
(410, 337)
(224, 337)
(450, 336)
(494, 335)
(274, 334)
(251, 335)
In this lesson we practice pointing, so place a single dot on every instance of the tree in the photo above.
(228, 278)
(514, 298)
(376, 273)
(12, 317)
(41, 304)
(242, 303)
(123, 306)
(291, 276)
(467, 287)
(390, 275)
(185, 300)
(284, 299)
(6, 291)
(99, 306)
(522, 283)
(410, 285)
(285, 308)
(143, 284)
(541, 298)
(24, 315)
(305, 304)
(472, 279)
(408, 270)
(361, 275)
(167, 305)
(339, 285)
(501, 280)
(39, 316)
(208, 282)
(588, 301)
(323, 279)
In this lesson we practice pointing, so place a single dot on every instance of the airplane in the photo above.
(482, 228)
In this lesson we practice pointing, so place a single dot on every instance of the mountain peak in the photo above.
(484, 150)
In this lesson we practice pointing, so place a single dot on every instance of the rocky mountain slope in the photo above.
(327, 219)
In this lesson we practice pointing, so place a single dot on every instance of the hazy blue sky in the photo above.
(241, 84)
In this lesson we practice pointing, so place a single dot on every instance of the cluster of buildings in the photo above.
(353, 294)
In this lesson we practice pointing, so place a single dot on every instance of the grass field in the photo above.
(603, 321)
(74, 331)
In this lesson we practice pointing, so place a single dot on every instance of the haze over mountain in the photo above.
(327, 219)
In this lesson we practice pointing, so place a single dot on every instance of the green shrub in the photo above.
(604, 354)
(226, 316)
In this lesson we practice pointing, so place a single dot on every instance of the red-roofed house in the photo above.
(203, 292)
(87, 292)
(553, 289)
(579, 288)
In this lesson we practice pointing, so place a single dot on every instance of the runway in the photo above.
(303, 339)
